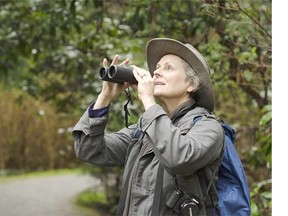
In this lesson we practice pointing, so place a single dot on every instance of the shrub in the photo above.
(33, 135)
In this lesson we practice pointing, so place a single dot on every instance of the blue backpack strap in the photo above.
(197, 118)
(209, 191)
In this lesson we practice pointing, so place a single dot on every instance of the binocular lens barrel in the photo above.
(103, 73)
(112, 71)
(117, 74)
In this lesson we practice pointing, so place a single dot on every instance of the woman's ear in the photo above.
(190, 87)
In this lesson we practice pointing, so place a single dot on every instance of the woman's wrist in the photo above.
(102, 101)
(148, 102)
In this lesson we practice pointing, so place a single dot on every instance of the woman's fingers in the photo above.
(125, 62)
(115, 60)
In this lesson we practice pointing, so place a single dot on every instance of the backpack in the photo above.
(232, 187)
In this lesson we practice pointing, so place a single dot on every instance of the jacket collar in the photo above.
(182, 109)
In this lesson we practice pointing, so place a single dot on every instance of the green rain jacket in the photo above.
(181, 148)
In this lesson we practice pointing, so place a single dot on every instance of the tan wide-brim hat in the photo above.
(158, 47)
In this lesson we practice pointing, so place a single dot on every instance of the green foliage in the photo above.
(111, 182)
(89, 198)
(261, 198)
(264, 135)
(261, 156)
(95, 202)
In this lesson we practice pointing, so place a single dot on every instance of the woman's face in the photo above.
(170, 79)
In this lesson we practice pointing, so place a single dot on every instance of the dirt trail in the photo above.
(44, 196)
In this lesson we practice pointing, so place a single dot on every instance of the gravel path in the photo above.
(44, 196)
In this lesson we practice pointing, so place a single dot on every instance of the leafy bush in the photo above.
(33, 135)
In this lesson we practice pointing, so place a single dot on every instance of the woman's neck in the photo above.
(170, 105)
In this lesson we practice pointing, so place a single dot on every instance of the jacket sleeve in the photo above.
(182, 153)
(93, 145)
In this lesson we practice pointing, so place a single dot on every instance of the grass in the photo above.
(93, 204)
(88, 198)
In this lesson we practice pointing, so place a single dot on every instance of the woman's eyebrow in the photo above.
(166, 63)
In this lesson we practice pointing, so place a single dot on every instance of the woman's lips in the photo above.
(159, 83)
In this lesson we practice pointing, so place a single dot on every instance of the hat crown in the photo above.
(200, 57)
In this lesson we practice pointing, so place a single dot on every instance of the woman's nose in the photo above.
(157, 73)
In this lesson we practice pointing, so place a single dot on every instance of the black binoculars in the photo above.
(117, 74)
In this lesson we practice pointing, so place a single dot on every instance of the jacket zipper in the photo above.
(134, 168)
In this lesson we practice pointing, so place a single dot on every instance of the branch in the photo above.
(255, 21)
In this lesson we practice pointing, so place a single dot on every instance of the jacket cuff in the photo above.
(93, 126)
(82, 124)
(95, 113)
(98, 125)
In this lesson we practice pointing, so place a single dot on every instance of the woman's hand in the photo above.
(110, 90)
(145, 87)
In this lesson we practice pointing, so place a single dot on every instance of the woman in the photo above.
(171, 151)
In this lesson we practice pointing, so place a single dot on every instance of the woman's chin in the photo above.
(157, 93)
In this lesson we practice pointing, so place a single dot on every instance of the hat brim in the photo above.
(158, 47)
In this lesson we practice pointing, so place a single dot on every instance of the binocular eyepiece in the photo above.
(117, 74)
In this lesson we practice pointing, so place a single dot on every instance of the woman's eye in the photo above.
(170, 68)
